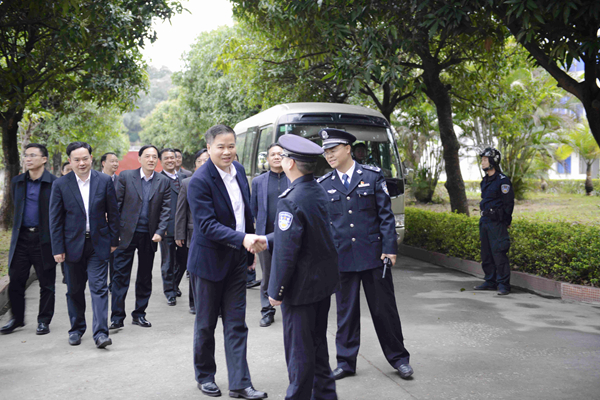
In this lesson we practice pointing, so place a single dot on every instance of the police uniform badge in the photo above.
(505, 188)
(285, 220)
(384, 187)
(325, 135)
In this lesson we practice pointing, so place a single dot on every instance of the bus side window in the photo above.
(246, 160)
(239, 146)
(265, 139)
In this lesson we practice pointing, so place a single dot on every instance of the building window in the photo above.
(564, 167)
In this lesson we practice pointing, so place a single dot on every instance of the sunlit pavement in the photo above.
(463, 345)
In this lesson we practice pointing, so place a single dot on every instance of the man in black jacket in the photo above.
(30, 242)
(144, 199)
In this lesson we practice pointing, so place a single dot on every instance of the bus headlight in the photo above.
(399, 220)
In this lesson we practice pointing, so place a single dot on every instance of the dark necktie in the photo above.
(176, 183)
(345, 181)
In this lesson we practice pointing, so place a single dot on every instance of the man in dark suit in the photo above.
(184, 224)
(30, 242)
(266, 190)
(144, 199)
(172, 257)
(365, 235)
(84, 227)
(110, 165)
(219, 198)
(304, 273)
(179, 165)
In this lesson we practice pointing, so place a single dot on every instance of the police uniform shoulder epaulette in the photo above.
(370, 168)
(286, 192)
(327, 175)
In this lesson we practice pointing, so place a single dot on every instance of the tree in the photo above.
(579, 139)
(555, 33)
(64, 49)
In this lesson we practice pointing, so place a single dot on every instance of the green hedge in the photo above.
(559, 186)
(558, 250)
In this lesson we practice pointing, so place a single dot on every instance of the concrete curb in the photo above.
(534, 283)
(4, 290)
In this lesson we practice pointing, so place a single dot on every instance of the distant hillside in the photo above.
(160, 84)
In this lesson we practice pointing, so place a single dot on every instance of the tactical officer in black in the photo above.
(365, 235)
(497, 204)
(304, 272)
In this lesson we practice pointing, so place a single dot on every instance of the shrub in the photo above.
(558, 250)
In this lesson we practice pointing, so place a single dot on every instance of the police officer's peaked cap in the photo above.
(332, 137)
(493, 155)
(299, 148)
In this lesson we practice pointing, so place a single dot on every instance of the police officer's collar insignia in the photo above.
(331, 191)
(285, 220)
(502, 176)
(285, 192)
(505, 188)
(358, 171)
(384, 187)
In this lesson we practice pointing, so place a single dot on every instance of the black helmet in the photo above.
(493, 156)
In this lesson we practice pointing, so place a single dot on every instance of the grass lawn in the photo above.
(4, 247)
(549, 207)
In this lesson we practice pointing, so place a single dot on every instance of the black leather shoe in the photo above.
(339, 373)
(405, 371)
(210, 389)
(503, 292)
(178, 293)
(103, 341)
(116, 325)
(141, 321)
(42, 329)
(11, 326)
(248, 393)
(192, 310)
(252, 284)
(267, 320)
(74, 339)
(485, 286)
(172, 301)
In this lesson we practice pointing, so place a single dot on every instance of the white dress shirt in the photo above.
(111, 176)
(172, 176)
(143, 176)
(84, 189)
(235, 195)
(349, 173)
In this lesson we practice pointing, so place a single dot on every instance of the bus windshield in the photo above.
(372, 147)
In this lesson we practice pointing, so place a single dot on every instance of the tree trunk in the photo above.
(455, 184)
(10, 148)
(589, 184)
(57, 163)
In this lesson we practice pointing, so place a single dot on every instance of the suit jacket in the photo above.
(184, 224)
(211, 256)
(129, 198)
(260, 195)
(173, 205)
(67, 216)
(116, 181)
(185, 173)
(18, 192)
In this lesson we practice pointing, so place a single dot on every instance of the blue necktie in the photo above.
(345, 181)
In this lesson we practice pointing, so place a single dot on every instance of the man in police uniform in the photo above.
(497, 204)
(304, 272)
(364, 234)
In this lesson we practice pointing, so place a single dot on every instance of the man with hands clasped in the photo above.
(364, 235)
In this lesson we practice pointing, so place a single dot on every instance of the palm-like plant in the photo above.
(580, 140)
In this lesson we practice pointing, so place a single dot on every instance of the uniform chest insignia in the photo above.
(505, 188)
(385, 189)
(363, 184)
(285, 220)
(331, 191)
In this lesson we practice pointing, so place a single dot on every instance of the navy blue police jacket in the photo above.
(497, 198)
(361, 217)
(304, 264)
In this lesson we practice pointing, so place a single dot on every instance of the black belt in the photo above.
(489, 212)
(88, 235)
(32, 228)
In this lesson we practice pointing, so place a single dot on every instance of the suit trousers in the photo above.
(380, 296)
(169, 266)
(111, 270)
(228, 296)
(306, 353)
(27, 253)
(94, 271)
(265, 258)
(141, 242)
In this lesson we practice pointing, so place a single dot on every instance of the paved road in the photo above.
(464, 345)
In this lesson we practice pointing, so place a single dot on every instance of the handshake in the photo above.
(255, 243)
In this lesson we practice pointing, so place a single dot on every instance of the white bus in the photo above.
(371, 129)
